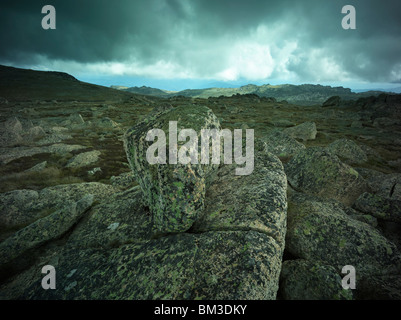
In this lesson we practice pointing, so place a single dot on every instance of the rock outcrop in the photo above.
(318, 172)
(322, 232)
(232, 250)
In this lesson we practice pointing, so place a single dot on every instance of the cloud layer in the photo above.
(294, 41)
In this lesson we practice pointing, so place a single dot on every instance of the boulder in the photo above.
(15, 208)
(174, 192)
(43, 230)
(321, 232)
(84, 159)
(348, 150)
(318, 172)
(281, 144)
(19, 208)
(308, 280)
(379, 207)
(231, 265)
(305, 131)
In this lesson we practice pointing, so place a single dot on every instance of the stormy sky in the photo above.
(178, 44)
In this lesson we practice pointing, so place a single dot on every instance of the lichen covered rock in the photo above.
(305, 131)
(174, 192)
(320, 231)
(308, 280)
(379, 207)
(43, 230)
(215, 265)
(281, 144)
(348, 150)
(318, 172)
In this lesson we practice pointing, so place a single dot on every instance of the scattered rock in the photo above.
(386, 122)
(318, 172)
(37, 168)
(106, 123)
(9, 154)
(53, 138)
(84, 159)
(305, 131)
(320, 232)
(348, 150)
(18, 208)
(282, 145)
(76, 118)
(15, 208)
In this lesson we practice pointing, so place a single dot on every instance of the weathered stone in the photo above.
(348, 150)
(43, 230)
(386, 122)
(106, 123)
(318, 172)
(379, 207)
(35, 132)
(54, 197)
(253, 202)
(9, 154)
(15, 207)
(386, 185)
(13, 125)
(305, 131)
(307, 280)
(10, 139)
(281, 144)
(218, 265)
(174, 192)
(84, 159)
(37, 168)
(119, 220)
(320, 232)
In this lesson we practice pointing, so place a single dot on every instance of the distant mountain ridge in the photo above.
(147, 91)
(305, 94)
(18, 84)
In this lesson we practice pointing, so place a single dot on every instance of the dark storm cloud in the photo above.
(205, 38)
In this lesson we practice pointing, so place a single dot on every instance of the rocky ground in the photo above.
(325, 193)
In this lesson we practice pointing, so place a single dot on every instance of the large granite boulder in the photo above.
(174, 192)
(322, 232)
